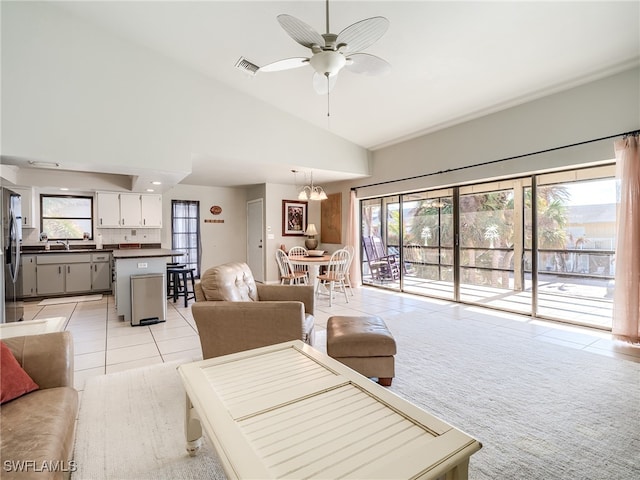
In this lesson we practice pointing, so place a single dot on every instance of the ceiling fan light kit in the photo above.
(330, 53)
(328, 62)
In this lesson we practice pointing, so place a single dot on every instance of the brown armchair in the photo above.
(233, 313)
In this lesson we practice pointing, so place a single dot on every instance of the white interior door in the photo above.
(255, 240)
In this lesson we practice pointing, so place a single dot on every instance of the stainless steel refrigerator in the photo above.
(13, 308)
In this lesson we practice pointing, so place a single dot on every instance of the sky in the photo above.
(593, 192)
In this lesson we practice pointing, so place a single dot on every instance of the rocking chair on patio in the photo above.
(381, 265)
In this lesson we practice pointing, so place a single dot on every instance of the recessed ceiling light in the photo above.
(150, 190)
(156, 183)
(64, 189)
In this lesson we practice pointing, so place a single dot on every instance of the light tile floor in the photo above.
(105, 344)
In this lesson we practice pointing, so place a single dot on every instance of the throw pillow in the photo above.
(14, 381)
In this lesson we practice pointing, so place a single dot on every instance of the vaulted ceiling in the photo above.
(450, 61)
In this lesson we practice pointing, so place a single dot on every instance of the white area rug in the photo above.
(542, 411)
(131, 426)
(79, 298)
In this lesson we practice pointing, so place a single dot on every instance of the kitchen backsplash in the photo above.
(31, 236)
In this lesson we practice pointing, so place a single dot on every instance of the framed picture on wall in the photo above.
(294, 217)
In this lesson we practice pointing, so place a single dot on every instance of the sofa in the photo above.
(38, 428)
(233, 313)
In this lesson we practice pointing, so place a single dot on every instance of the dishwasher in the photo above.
(148, 305)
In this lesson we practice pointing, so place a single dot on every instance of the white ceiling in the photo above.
(451, 61)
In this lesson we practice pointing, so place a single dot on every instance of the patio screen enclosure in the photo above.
(542, 245)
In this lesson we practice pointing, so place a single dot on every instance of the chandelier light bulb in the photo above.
(311, 192)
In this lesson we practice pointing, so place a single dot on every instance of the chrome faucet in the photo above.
(64, 242)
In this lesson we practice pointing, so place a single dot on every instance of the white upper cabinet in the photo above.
(108, 209)
(151, 211)
(129, 210)
(27, 205)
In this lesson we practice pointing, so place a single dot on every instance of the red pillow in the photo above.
(14, 381)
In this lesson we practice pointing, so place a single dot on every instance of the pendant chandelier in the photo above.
(311, 191)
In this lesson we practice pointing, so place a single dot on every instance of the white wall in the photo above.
(221, 242)
(76, 94)
(605, 107)
(609, 106)
(275, 194)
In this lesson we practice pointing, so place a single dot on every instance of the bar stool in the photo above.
(171, 277)
(180, 287)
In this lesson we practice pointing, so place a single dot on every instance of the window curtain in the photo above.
(626, 300)
(353, 239)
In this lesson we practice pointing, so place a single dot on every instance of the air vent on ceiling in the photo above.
(246, 66)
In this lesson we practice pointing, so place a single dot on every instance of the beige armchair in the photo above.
(39, 428)
(233, 313)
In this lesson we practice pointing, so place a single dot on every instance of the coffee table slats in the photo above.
(297, 413)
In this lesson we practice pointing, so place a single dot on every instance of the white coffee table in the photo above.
(290, 411)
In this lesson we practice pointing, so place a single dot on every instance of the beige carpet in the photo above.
(79, 298)
(131, 426)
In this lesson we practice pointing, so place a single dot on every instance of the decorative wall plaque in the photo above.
(331, 219)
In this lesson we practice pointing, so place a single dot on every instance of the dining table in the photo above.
(313, 264)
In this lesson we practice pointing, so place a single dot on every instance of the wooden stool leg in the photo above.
(186, 289)
(176, 286)
(193, 285)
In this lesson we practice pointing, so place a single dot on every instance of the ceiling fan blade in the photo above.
(320, 84)
(300, 31)
(367, 64)
(286, 64)
(363, 34)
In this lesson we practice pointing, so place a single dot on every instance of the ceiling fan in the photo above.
(331, 52)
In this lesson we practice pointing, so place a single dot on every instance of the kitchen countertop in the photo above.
(29, 251)
(124, 253)
(86, 248)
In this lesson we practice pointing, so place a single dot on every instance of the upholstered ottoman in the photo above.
(363, 344)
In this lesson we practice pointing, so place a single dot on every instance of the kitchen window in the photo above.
(66, 217)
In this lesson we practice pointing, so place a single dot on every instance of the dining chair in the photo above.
(347, 279)
(287, 273)
(299, 251)
(335, 274)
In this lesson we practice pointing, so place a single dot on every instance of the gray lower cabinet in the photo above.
(100, 271)
(63, 273)
(50, 279)
(28, 274)
(78, 278)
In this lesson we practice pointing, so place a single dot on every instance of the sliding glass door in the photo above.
(491, 236)
(576, 218)
(380, 242)
(427, 248)
(541, 245)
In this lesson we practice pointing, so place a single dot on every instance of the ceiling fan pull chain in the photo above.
(328, 100)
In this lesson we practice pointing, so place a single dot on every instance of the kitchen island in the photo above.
(137, 261)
